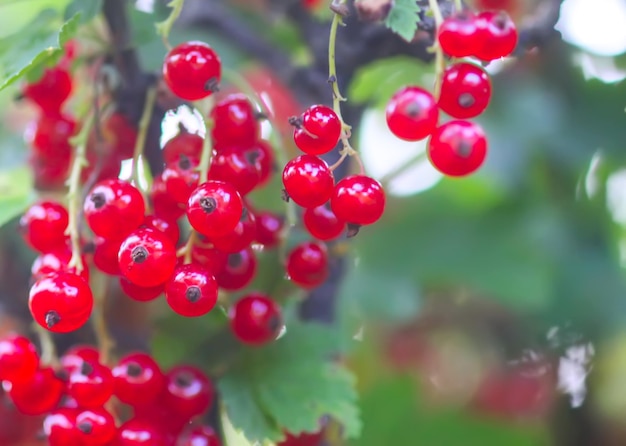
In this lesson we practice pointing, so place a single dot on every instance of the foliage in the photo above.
(403, 17)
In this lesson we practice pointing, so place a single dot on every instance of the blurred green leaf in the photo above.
(16, 14)
(16, 193)
(87, 9)
(403, 18)
(290, 385)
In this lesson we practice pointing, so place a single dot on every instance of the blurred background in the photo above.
(489, 310)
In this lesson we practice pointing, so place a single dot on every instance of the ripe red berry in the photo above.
(61, 302)
(167, 227)
(412, 113)
(188, 391)
(239, 238)
(465, 90)
(308, 180)
(139, 293)
(192, 70)
(105, 255)
(234, 122)
(191, 291)
(59, 427)
(184, 144)
(458, 148)
(147, 257)
(75, 357)
(236, 166)
(18, 359)
(38, 395)
(268, 228)
(458, 35)
(317, 130)
(209, 257)
(138, 380)
(163, 205)
(255, 319)
(56, 261)
(322, 223)
(96, 427)
(263, 156)
(239, 270)
(497, 34)
(91, 385)
(113, 208)
(49, 173)
(214, 208)
(359, 200)
(49, 136)
(200, 436)
(43, 226)
(51, 90)
(181, 178)
(136, 432)
(307, 264)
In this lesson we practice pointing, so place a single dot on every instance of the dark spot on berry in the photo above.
(464, 149)
(184, 162)
(252, 156)
(208, 204)
(353, 230)
(193, 294)
(212, 85)
(86, 368)
(61, 374)
(183, 379)
(235, 260)
(89, 248)
(139, 254)
(413, 110)
(501, 20)
(98, 199)
(285, 196)
(274, 323)
(52, 318)
(133, 369)
(466, 100)
(295, 121)
(85, 427)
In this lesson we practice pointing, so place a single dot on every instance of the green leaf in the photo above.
(15, 193)
(87, 9)
(16, 14)
(403, 18)
(290, 385)
(28, 52)
(164, 27)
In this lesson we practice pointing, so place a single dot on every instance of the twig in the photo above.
(164, 27)
(440, 63)
(144, 123)
(99, 285)
(48, 348)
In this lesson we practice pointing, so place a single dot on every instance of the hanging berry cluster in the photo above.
(457, 147)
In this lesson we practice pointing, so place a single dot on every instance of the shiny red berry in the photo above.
(308, 180)
(239, 238)
(61, 302)
(138, 380)
(56, 261)
(137, 432)
(412, 113)
(359, 200)
(255, 319)
(497, 34)
(458, 148)
(317, 130)
(184, 144)
(181, 178)
(51, 90)
(269, 226)
(209, 257)
(236, 166)
(214, 208)
(49, 173)
(192, 70)
(191, 291)
(322, 223)
(73, 359)
(147, 257)
(188, 391)
(200, 436)
(59, 427)
(234, 122)
(458, 35)
(139, 293)
(96, 427)
(163, 204)
(113, 208)
(49, 136)
(38, 395)
(91, 385)
(43, 226)
(239, 270)
(307, 264)
(465, 90)
(105, 255)
(18, 359)
(263, 156)
(167, 227)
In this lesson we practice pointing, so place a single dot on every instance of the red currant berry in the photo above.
(497, 33)
(73, 359)
(49, 135)
(214, 208)
(91, 385)
(138, 380)
(165, 206)
(192, 70)
(105, 255)
(147, 257)
(137, 432)
(61, 302)
(18, 359)
(59, 427)
(139, 293)
(239, 238)
(268, 228)
(184, 144)
(181, 179)
(96, 427)
(239, 270)
(322, 223)
(43, 226)
(119, 133)
(113, 208)
(51, 90)
(465, 90)
(191, 291)
(318, 130)
(359, 200)
(255, 319)
(237, 167)
(188, 391)
(412, 113)
(212, 259)
(234, 122)
(308, 180)
(201, 436)
(49, 173)
(54, 262)
(307, 264)
(38, 395)
(458, 148)
(263, 156)
(167, 227)
(458, 35)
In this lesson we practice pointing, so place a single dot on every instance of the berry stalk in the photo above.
(103, 337)
(48, 348)
(144, 123)
(440, 63)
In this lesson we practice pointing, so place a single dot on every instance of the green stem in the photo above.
(48, 349)
(144, 124)
(440, 62)
(207, 144)
(164, 27)
(105, 342)
(402, 168)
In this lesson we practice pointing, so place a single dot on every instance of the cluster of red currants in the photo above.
(457, 147)
(82, 399)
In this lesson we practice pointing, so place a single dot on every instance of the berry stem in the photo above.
(48, 348)
(402, 168)
(207, 144)
(163, 28)
(99, 285)
(458, 5)
(144, 123)
(74, 195)
(188, 248)
(440, 63)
